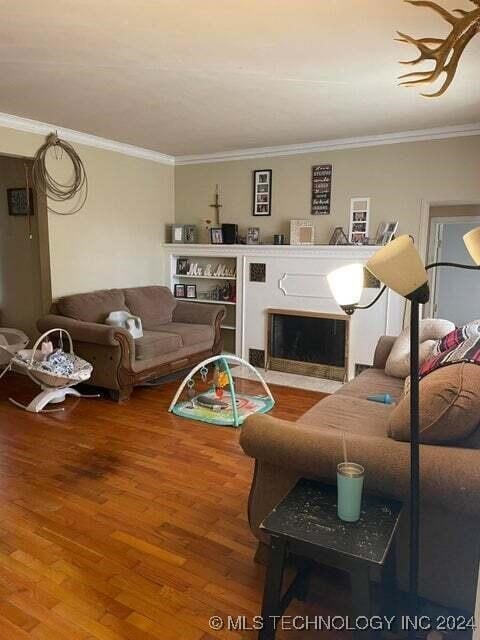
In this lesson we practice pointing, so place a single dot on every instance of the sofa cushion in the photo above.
(431, 330)
(449, 406)
(371, 382)
(347, 413)
(92, 307)
(156, 343)
(154, 305)
(191, 334)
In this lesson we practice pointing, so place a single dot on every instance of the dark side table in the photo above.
(305, 524)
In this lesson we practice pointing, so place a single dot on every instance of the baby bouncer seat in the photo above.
(55, 371)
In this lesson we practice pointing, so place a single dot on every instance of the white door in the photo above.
(456, 292)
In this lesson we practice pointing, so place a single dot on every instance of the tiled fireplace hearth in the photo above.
(293, 279)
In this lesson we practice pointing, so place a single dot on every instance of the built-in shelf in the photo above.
(208, 301)
(185, 275)
(228, 327)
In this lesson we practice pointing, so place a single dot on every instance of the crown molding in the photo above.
(438, 133)
(44, 128)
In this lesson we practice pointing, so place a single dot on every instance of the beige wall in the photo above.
(397, 177)
(115, 239)
(20, 281)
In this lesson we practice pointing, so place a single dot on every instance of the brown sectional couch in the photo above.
(450, 476)
(177, 334)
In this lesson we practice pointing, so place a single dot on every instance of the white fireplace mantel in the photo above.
(295, 280)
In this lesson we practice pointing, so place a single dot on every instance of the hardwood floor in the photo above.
(125, 522)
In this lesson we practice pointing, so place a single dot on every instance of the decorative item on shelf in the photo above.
(179, 291)
(321, 189)
(359, 215)
(386, 232)
(302, 232)
(278, 239)
(182, 266)
(220, 271)
(217, 205)
(208, 270)
(262, 192)
(216, 236)
(190, 233)
(20, 202)
(191, 291)
(338, 237)
(229, 233)
(444, 52)
(225, 292)
(253, 235)
(178, 234)
(192, 269)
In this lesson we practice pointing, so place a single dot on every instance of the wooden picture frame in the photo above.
(18, 203)
(262, 192)
(302, 232)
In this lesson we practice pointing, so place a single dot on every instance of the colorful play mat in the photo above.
(220, 404)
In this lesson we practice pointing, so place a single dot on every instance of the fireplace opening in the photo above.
(311, 344)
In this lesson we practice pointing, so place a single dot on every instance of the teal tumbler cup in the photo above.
(349, 490)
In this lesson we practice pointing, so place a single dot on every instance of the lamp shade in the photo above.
(399, 266)
(472, 242)
(346, 285)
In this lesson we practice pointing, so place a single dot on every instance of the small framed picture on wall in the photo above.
(262, 192)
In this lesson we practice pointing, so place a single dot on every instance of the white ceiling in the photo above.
(201, 76)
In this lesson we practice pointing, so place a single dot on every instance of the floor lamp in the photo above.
(399, 267)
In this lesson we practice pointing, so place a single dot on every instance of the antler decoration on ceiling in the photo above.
(445, 52)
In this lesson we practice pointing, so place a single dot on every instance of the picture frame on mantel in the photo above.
(262, 192)
(302, 232)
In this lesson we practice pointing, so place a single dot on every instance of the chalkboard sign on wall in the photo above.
(321, 189)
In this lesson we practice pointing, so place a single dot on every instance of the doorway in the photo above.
(25, 291)
(455, 292)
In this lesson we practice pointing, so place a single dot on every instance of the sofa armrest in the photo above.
(91, 332)
(450, 476)
(198, 313)
(382, 351)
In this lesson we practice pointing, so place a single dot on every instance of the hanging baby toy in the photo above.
(221, 404)
(220, 380)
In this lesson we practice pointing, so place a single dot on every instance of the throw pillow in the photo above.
(457, 336)
(431, 330)
(449, 407)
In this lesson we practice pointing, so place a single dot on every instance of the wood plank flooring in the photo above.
(125, 522)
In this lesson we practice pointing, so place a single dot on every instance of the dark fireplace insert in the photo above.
(312, 344)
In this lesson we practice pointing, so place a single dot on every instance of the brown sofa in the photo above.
(450, 476)
(177, 334)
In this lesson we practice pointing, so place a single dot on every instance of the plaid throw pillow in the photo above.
(466, 351)
(457, 336)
